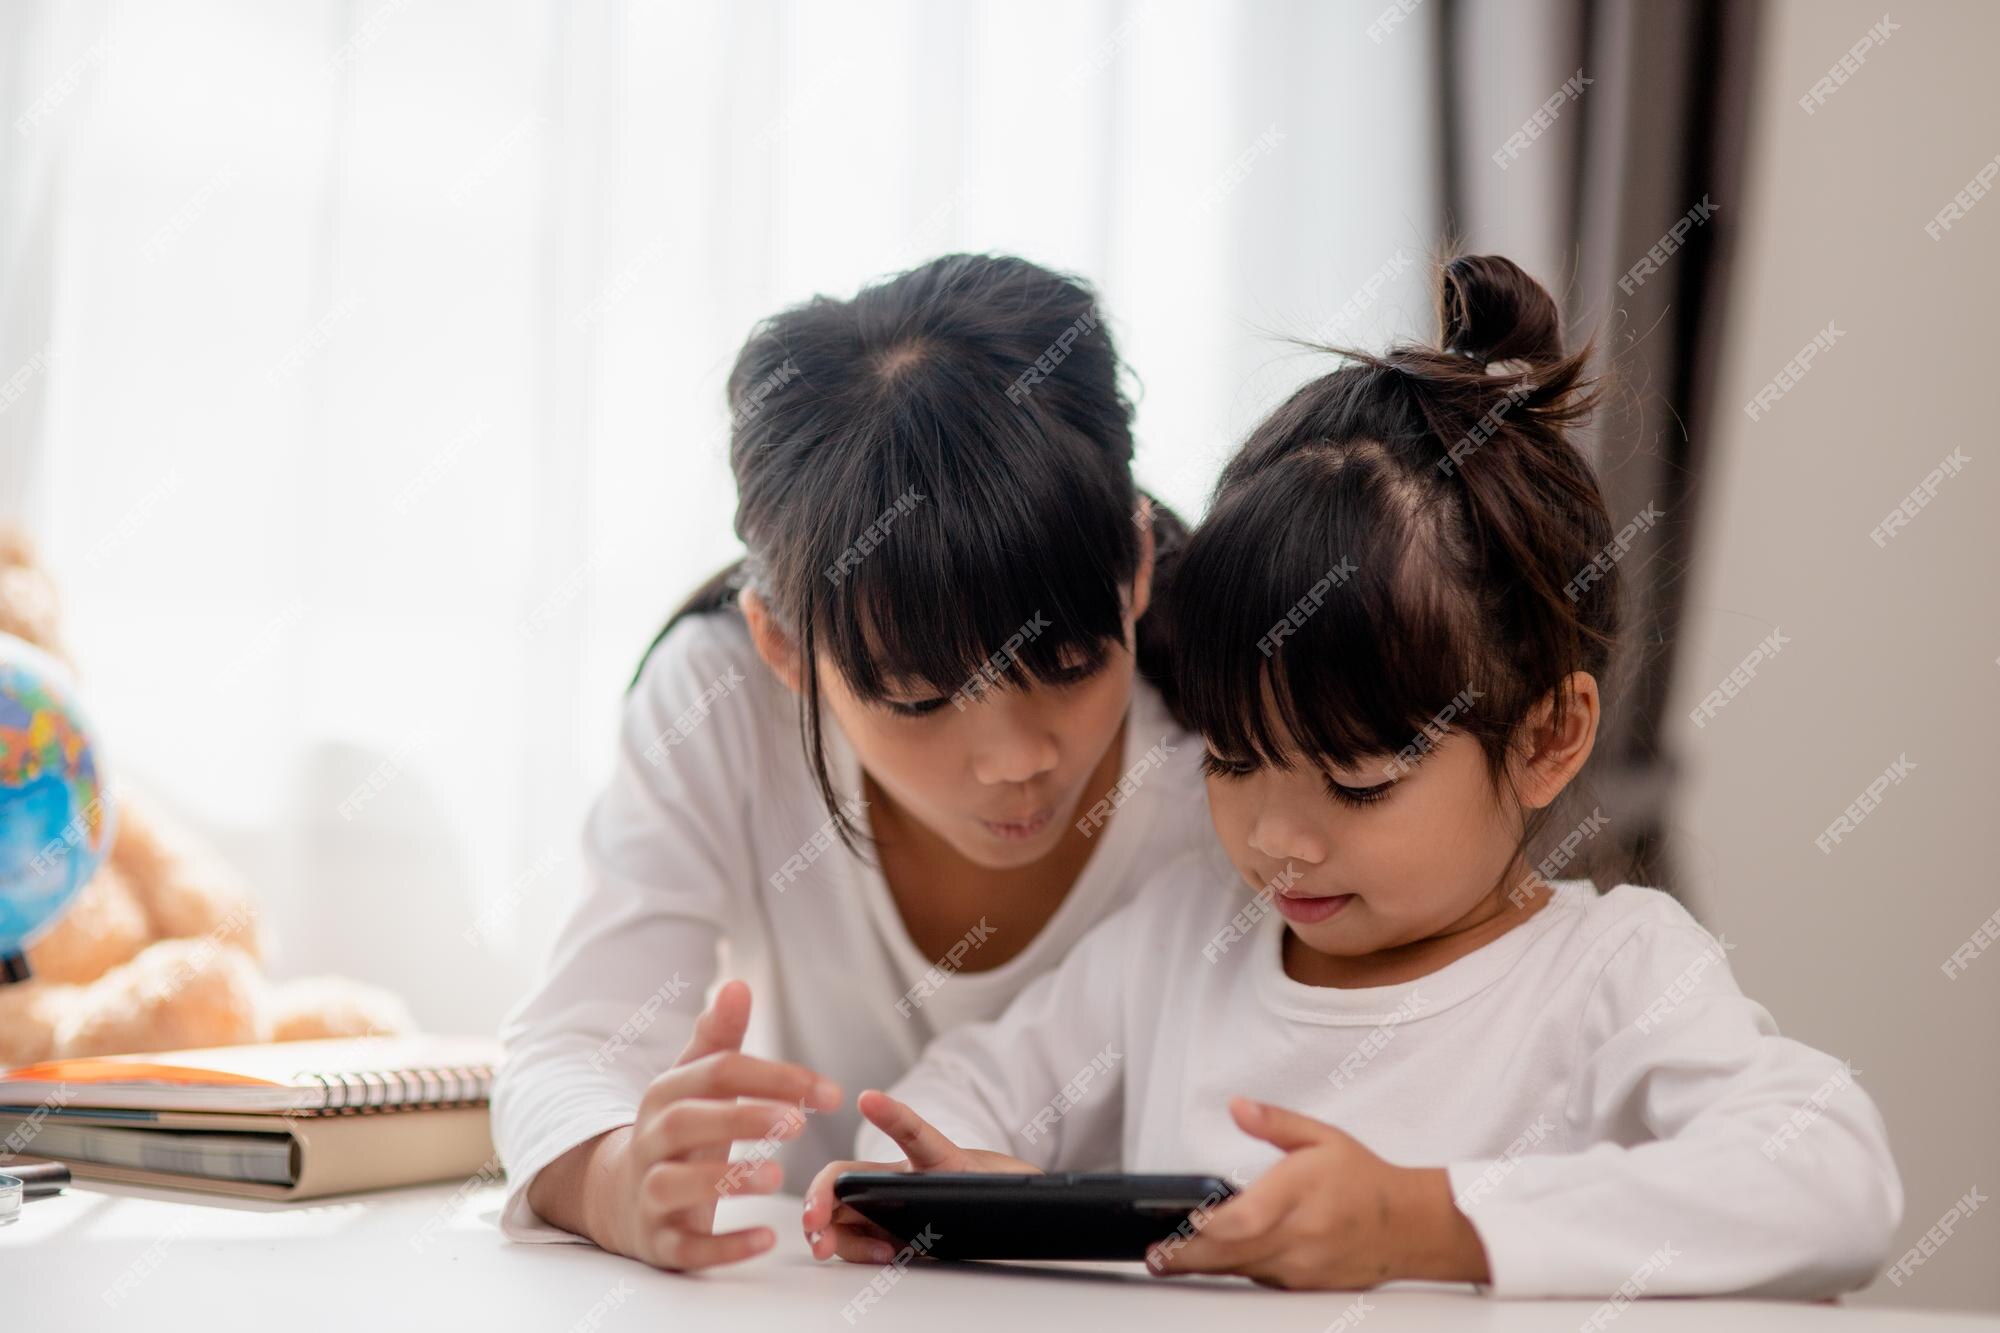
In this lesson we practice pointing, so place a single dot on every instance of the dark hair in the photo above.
(926, 468)
(1409, 538)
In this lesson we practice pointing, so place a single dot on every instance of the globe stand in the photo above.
(14, 967)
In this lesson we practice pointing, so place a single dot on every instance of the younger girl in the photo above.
(889, 769)
(1423, 1060)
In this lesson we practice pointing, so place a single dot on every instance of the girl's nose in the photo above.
(1014, 754)
(1282, 838)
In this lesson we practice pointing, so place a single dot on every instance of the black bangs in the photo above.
(1303, 627)
(965, 543)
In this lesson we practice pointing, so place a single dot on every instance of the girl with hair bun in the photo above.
(1420, 1056)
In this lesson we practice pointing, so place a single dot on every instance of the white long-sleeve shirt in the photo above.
(712, 838)
(1613, 1112)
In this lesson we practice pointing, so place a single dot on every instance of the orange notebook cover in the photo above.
(342, 1075)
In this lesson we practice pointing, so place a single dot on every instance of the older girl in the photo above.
(889, 768)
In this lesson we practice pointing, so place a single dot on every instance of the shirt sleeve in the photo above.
(1719, 1157)
(1044, 1081)
(664, 849)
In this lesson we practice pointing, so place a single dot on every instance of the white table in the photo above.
(124, 1257)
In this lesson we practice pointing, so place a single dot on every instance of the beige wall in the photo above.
(1892, 650)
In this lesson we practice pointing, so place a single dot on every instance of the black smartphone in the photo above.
(1063, 1215)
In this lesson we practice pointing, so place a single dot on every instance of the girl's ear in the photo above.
(777, 647)
(1142, 579)
(1551, 752)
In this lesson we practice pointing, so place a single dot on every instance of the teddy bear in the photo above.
(162, 949)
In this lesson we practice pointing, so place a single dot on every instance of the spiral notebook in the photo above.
(337, 1076)
(285, 1121)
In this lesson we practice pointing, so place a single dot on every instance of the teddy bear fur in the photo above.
(163, 948)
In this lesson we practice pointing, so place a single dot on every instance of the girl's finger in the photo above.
(1236, 1248)
(670, 1188)
(1205, 1254)
(691, 1123)
(860, 1248)
(819, 1197)
(820, 1203)
(1252, 1213)
(721, 1025)
(744, 1176)
(1278, 1126)
(825, 1241)
(726, 1074)
(927, 1149)
(688, 1251)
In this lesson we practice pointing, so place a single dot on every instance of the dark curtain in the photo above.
(1588, 199)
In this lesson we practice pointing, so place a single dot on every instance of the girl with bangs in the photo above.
(896, 762)
(1420, 1056)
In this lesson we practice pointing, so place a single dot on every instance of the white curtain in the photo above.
(374, 351)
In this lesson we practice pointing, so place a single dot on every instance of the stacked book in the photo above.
(286, 1120)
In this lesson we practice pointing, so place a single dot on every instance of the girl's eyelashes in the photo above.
(915, 707)
(1061, 679)
(1215, 766)
(1356, 796)
(1075, 674)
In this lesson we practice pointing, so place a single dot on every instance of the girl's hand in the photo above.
(832, 1228)
(1330, 1214)
(654, 1184)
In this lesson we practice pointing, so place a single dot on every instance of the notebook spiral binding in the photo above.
(395, 1089)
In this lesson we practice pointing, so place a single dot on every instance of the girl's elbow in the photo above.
(1857, 1210)
(1877, 1219)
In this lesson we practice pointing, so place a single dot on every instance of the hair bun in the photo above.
(1491, 310)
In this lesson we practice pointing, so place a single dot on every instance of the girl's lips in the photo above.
(1306, 911)
(1019, 829)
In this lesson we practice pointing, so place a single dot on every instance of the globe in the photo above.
(55, 813)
